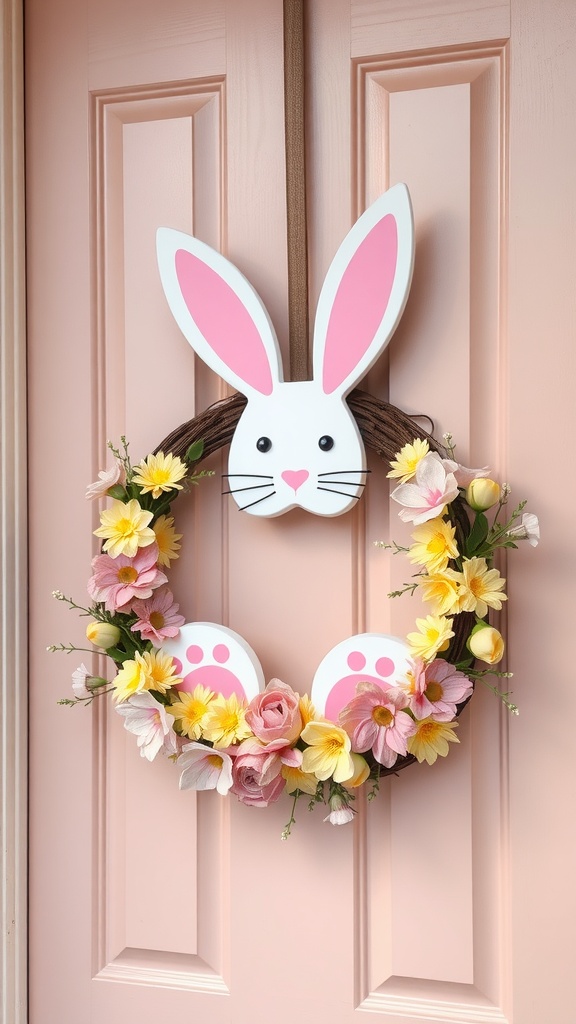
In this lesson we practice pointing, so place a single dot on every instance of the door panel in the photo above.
(147, 902)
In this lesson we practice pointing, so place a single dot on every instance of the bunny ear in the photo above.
(219, 313)
(365, 292)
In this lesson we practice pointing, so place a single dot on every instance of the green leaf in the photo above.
(117, 492)
(194, 452)
(477, 534)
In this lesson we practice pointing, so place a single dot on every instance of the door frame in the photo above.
(13, 522)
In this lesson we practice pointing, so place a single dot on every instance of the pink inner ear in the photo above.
(224, 321)
(360, 303)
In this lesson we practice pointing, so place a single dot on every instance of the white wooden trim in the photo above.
(13, 524)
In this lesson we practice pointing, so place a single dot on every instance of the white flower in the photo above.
(340, 812)
(434, 488)
(79, 678)
(146, 718)
(528, 529)
(106, 479)
(205, 768)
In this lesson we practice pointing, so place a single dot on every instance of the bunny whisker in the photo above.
(344, 472)
(252, 487)
(260, 476)
(332, 490)
(344, 483)
(241, 508)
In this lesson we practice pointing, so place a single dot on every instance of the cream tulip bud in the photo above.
(482, 494)
(361, 772)
(486, 644)
(102, 634)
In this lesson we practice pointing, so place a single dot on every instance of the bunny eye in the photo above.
(326, 443)
(263, 444)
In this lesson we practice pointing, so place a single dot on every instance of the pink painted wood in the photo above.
(445, 901)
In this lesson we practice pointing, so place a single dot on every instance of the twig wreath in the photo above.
(196, 691)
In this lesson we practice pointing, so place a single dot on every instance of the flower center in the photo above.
(428, 731)
(215, 760)
(157, 620)
(434, 691)
(127, 574)
(125, 527)
(382, 716)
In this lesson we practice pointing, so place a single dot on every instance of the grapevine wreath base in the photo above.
(277, 740)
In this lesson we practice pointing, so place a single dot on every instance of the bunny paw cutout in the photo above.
(297, 443)
(217, 658)
(364, 658)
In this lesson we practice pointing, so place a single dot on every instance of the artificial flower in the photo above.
(427, 497)
(297, 779)
(107, 478)
(80, 676)
(159, 669)
(146, 718)
(436, 689)
(250, 784)
(431, 739)
(166, 539)
(361, 771)
(125, 528)
(435, 545)
(130, 679)
(482, 494)
(191, 710)
(463, 474)
(159, 473)
(116, 581)
(203, 768)
(274, 755)
(408, 459)
(102, 634)
(486, 643)
(375, 720)
(328, 753)
(527, 529)
(441, 590)
(481, 587)
(158, 617)
(226, 721)
(307, 710)
(434, 634)
(340, 811)
(275, 713)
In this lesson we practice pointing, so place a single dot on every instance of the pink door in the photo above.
(445, 900)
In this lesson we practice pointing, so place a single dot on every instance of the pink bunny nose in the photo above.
(295, 477)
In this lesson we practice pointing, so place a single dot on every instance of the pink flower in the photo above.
(375, 720)
(340, 811)
(106, 479)
(255, 781)
(436, 690)
(462, 474)
(275, 713)
(426, 498)
(204, 768)
(147, 719)
(272, 756)
(117, 580)
(157, 617)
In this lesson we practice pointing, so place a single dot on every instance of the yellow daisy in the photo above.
(225, 722)
(435, 545)
(191, 711)
(406, 462)
(434, 633)
(130, 679)
(481, 587)
(431, 739)
(159, 473)
(307, 710)
(166, 539)
(159, 670)
(125, 528)
(441, 590)
(328, 753)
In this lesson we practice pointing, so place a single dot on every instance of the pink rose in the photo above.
(275, 713)
(251, 779)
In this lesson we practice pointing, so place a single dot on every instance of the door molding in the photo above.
(13, 523)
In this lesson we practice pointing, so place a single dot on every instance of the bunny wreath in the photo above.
(256, 762)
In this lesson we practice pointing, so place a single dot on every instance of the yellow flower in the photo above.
(361, 771)
(307, 710)
(125, 527)
(441, 590)
(159, 473)
(102, 634)
(482, 494)
(328, 753)
(435, 545)
(225, 723)
(297, 779)
(166, 539)
(480, 587)
(431, 739)
(406, 462)
(433, 636)
(130, 679)
(191, 711)
(487, 645)
(159, 670)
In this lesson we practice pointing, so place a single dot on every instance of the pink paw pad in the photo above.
(365, 658)
(213, 656)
